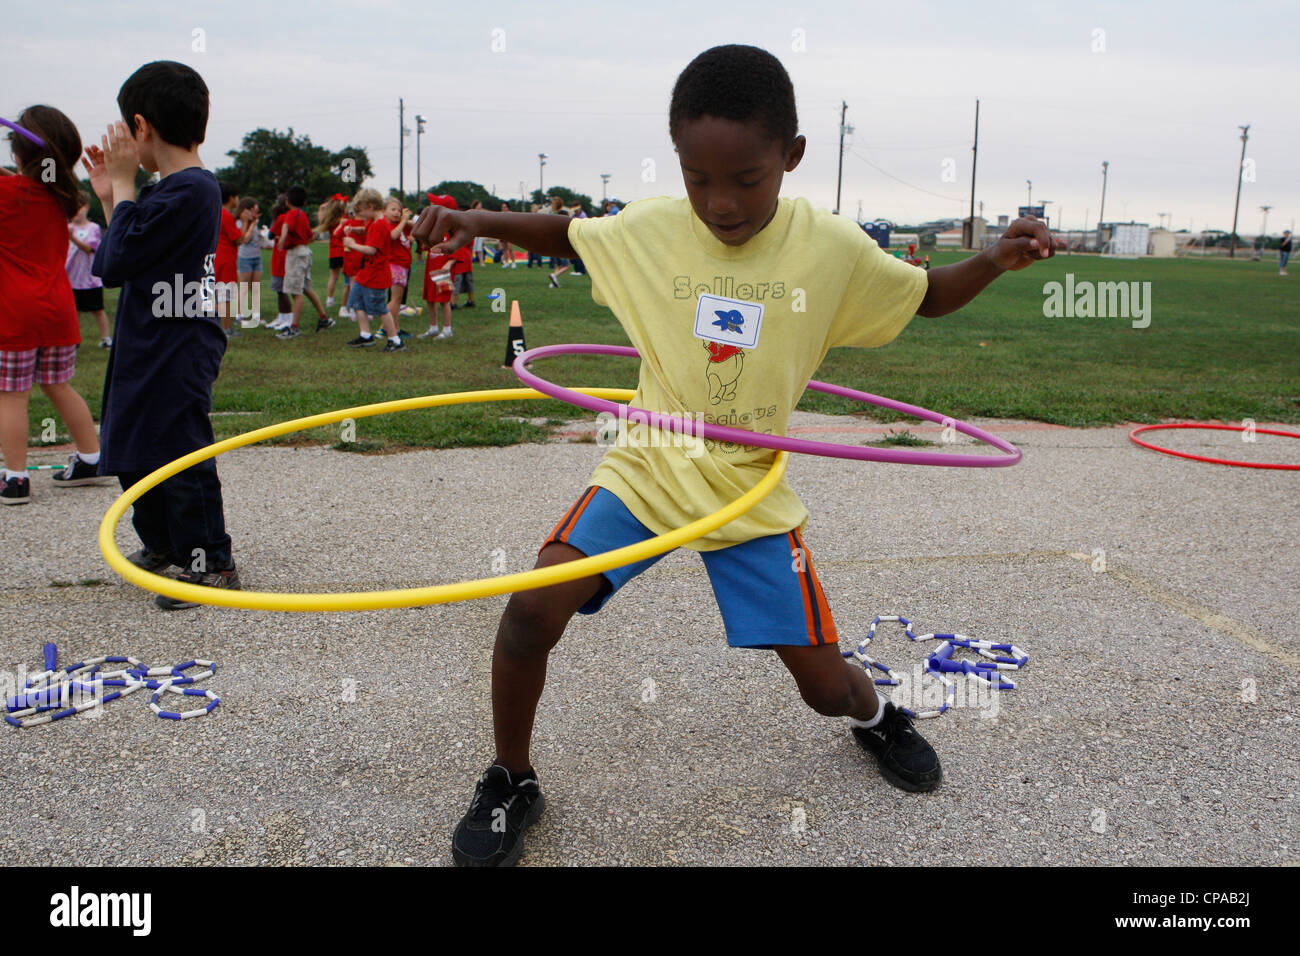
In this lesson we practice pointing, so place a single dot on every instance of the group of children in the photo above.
(370, 251)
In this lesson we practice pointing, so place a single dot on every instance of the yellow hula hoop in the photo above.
(406, 597)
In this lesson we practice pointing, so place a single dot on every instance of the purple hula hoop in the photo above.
(742, 436)
(23, 132)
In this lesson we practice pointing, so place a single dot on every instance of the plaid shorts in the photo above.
(52, 365)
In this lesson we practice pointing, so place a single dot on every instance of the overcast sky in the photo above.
(1159, 92)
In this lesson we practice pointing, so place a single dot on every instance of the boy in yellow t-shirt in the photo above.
(732, 296)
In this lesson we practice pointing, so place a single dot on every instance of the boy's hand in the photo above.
(441, 221)
(97, 172)
(120, 153)
(1024, 243)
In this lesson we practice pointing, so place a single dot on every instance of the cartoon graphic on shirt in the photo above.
(723, 370)
(729, 320)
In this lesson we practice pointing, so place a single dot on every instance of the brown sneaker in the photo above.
(228, 578)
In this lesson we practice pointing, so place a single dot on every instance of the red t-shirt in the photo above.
(228, 235)
(299, 229)
(435, 262)
(336, 241)
(462, 260)
(400, 253)
(374, 273)
(351, 258)
(37, 309)
(277, 254)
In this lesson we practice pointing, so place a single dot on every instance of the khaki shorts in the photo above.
(297, 270)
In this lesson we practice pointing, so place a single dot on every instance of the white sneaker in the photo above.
(329, 302)
(444, 334)
(107, 341)
(430, 333)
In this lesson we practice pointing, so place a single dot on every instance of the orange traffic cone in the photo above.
(515, 346)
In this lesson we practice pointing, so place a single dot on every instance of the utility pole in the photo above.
(839, 177)
(974, 155)
(1101, 215)
(541, 177)
(604, 186)
(1029, 201)
(1232, 242)
(401, 147)
(419, 131)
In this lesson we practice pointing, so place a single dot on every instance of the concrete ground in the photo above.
(1154, 724)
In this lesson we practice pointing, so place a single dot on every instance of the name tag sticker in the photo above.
(728, 321)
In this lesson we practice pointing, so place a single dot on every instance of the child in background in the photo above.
(228, 235)
(399, 258)
(369, 296)
(437, 283)
(356, 228)
(248, 262)
(462, 277)
(284, 307)
(87, 289)
(328, 217)
(39, 331)
(480, 256)
(295, 238)
(507, 250)
(559, 264)
(158, 389)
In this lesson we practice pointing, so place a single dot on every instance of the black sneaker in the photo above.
(78, 472)
(404, 335)
(150, 561)
(292, 332)
(906, 760)
(362, 342)
(492, 832)
(325, 322)
(17, 491)
(229, 578)
(395, 345)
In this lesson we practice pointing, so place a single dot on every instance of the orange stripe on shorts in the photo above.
(562, 530)
(813, 591)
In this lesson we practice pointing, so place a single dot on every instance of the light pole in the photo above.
(1030, 201)
(419, 131)
(1101, 214)
(839, 177)
(1232, 242)
(604, 186)
(541, 177)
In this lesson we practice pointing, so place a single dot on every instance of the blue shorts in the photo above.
(766, 588)
(365, 299)
(250, 264)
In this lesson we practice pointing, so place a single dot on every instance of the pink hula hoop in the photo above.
(742, 436)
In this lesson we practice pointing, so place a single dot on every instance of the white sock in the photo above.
(14, 474)
(879, 715)
(89, 459)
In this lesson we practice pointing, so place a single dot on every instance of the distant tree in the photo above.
(269, 162)
(464, 192)
(568, 197)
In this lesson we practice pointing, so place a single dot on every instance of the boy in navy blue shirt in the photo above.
(168, 344)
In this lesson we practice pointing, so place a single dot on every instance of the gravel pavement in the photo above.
(1158, 600)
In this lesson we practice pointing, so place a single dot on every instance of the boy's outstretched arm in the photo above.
(536, 232)
(951, 287)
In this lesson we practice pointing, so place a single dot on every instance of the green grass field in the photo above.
(1223, 344)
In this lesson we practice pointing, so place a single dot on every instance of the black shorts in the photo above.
(336, 262)
(462, 283)
(89, 300)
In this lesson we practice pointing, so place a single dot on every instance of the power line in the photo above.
(885, 172)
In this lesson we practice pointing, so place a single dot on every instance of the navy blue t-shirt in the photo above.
(168, 342)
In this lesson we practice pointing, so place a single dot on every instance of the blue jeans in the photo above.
(183, 514)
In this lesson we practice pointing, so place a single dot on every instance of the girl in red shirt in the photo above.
(399, 256)
(39, 331)
(328, 218)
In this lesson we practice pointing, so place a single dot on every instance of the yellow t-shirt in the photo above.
(734, 333)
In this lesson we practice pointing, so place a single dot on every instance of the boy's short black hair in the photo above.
(228, 189)
(297, 196)
(736, 82)
(172, 97)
